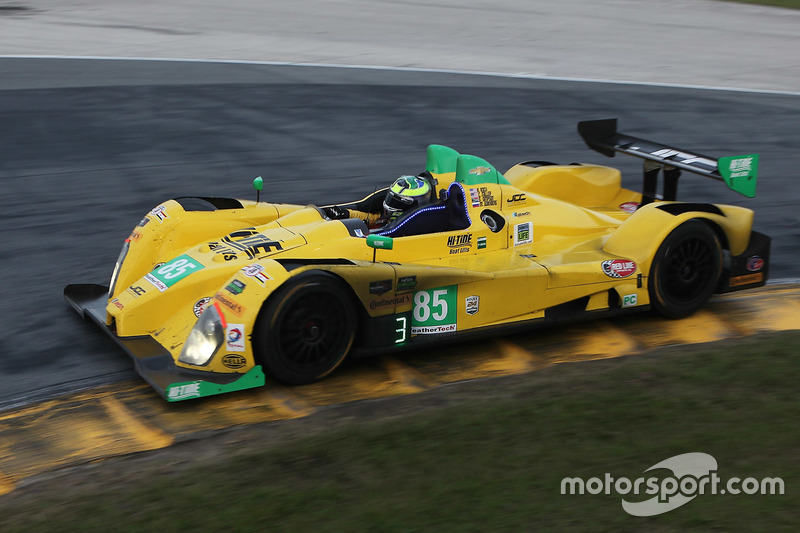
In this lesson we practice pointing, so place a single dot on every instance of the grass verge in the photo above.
(479, 456)
(792, 4)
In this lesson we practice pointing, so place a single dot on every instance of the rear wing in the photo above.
(739, 172)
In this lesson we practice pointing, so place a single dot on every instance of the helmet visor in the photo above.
(397, 202)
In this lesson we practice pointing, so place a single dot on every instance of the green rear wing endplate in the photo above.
(739, 172)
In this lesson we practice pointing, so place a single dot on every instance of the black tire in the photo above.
(306, 328)
(685, 270)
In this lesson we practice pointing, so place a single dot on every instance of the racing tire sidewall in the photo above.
(306, 328)
(677, 284)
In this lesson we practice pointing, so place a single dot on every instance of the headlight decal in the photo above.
(207, 336)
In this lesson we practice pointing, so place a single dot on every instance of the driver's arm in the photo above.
(335, 212)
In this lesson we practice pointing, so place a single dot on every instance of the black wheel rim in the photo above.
(313, 333)
(688, 270)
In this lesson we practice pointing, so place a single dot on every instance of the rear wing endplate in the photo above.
(739, 172)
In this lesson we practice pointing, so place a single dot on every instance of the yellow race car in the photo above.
(208, 294)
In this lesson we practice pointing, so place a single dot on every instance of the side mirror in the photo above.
(379, 241)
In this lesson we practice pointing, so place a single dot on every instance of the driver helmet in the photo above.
(405, 194)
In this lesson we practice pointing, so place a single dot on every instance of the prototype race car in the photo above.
(208, 291)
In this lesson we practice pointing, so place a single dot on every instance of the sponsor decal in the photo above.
(521, 214)
(476, 199)
(257, 273)
(184, 391)
(741, 168)
(233, 360)
(247, 241)
(755, 263)
(747, 279)
(235, 287)
(432, 330)
(480, 171)
(358, 232)
(523, 233)
(135, 236)
(234, 337)
(157, 283)
(482, 196)
(389, 302)
(230, 304)
(517, 198)
(472, 303)
(117, 304)
(200, 306)
(459, 243)
(380, 287)
(618, 268)
(172, 272)
(136, 290)
(142, 223)
(159, 213)
(434, 311)
(682, 157)
(629, 300)
(406, 283)
(481, 243)
(630, 207)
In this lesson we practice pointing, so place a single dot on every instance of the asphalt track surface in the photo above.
(88, 147)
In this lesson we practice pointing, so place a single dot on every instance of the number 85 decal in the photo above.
(435, 306)
(172, 272)
(177, 268)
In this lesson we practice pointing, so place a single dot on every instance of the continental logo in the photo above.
(388, 302)
(230, 304)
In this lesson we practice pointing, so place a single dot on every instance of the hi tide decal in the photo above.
(434, 311)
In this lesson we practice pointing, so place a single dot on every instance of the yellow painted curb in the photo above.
(145, 437)
(130, 417)
(6, 485)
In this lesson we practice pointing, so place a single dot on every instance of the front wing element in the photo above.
(153, 362)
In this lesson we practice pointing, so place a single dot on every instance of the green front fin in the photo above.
(197, 389)
(740, 173)
(472, 170)
(441, 159)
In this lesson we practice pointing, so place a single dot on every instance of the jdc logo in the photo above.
(516, 198)
(457, 241)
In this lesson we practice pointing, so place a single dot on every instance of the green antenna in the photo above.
(258, 185)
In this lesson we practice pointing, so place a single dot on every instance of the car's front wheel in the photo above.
(306, 328)
(685, 270)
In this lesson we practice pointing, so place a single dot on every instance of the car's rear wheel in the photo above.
(685, 270)
(306, 328)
